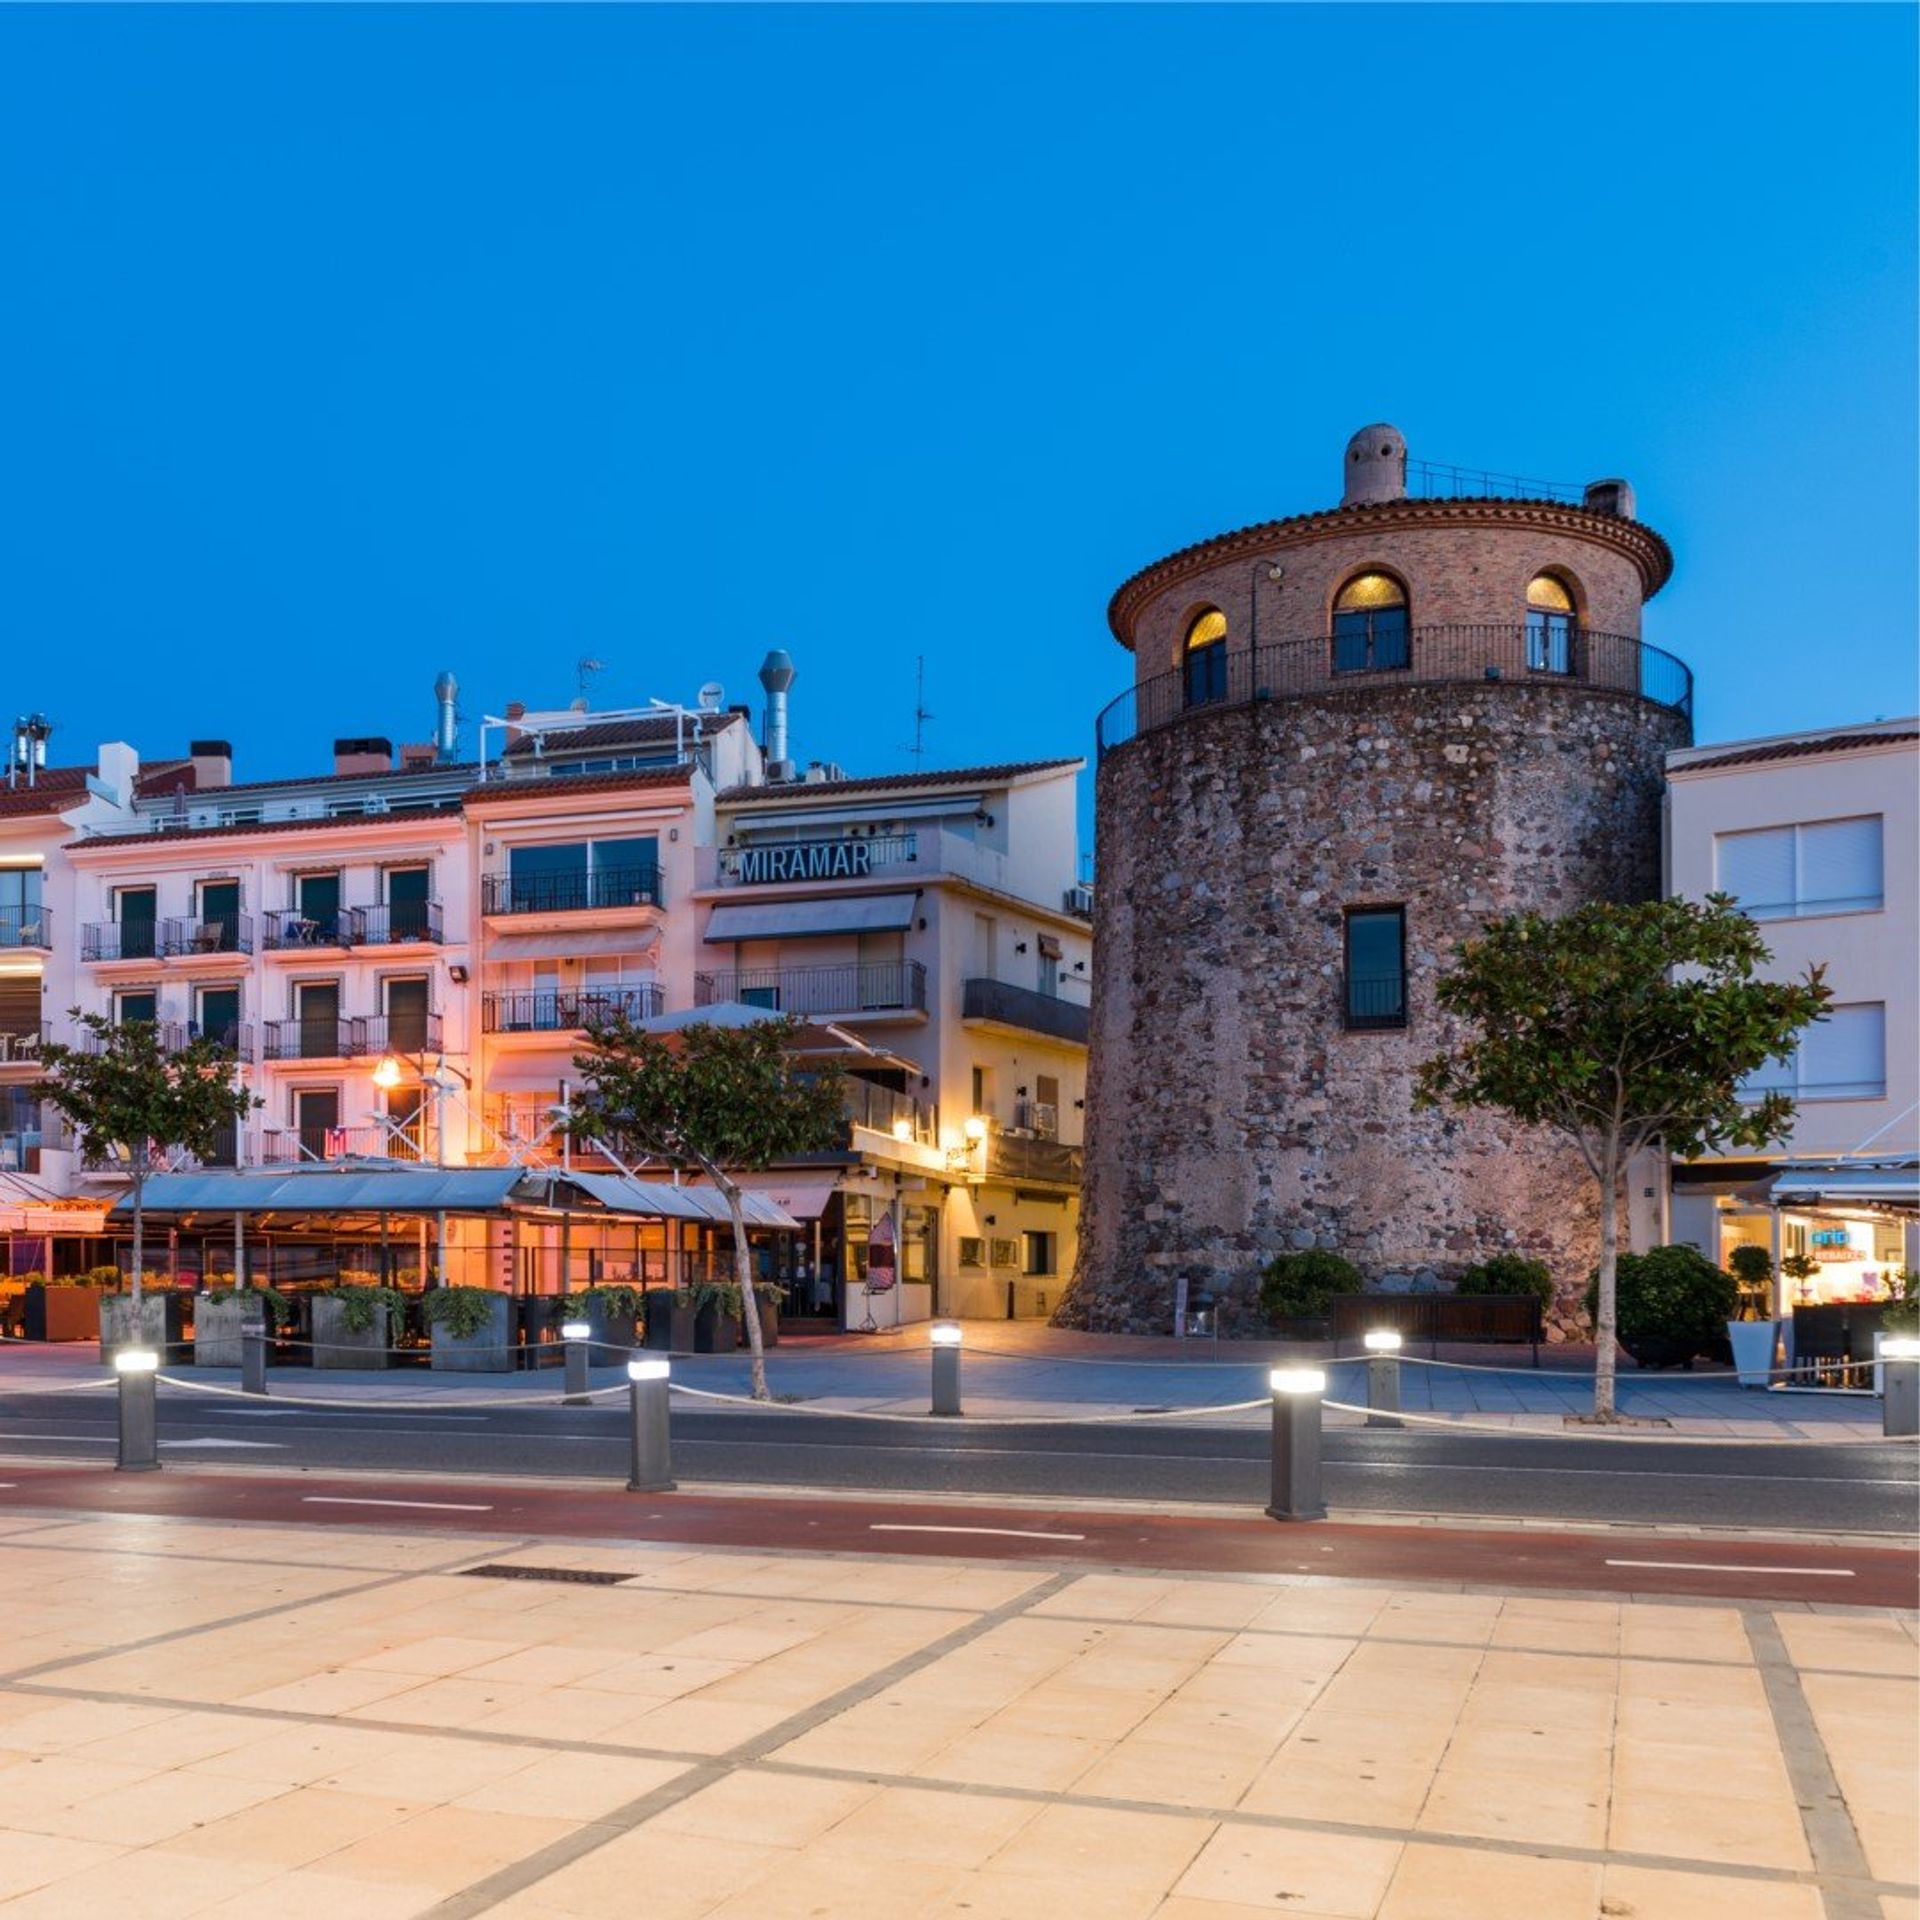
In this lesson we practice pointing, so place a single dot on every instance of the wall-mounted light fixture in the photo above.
(456, 973)
(1019, 946)
(1079, 966)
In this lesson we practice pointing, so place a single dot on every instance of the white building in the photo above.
(1817, 836)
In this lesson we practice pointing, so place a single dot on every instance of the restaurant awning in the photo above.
(574, 945)
(659, 1200)
(805, 919)
(1875, 1186)
(803, 1196)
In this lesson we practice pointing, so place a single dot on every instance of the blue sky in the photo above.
(342, 346)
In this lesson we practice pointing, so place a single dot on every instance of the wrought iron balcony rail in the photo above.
(190, 933)
(568, 1012)
(608, 888)
(295, 1146)
(850, 857)
(120, 940)
(396, 924)
(417, 1031)
(19, 1048)
(315, 1038)
(1515, 655)
(25, 927)
(1024, 1007)
(867, 986)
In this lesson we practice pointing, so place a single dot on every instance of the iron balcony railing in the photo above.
(866, 986)
(885, 1111)
(569, 1012)
(172, 1035)
(120, 940)
(850, 857)
(190, 933)
(19, 1048)
(25, 927)
(1023, 1007)
(396, 924)
(316, 1037)
(415, 1031)
(606, 888)
(410, 1140)
(1514, 655)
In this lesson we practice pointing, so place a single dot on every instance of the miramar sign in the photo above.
(805, 860)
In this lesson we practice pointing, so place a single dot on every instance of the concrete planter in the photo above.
(491, 1350)
(612, 1332)
(670, 1323)
(338, 1347)
(62, 1313)
(1753, 1342)
(159, 1324)
(217, 1321)
(716, 1332)
(769, 1321)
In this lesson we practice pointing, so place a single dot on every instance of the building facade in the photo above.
(1353, 736)
(1816, 836)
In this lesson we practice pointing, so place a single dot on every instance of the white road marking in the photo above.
(436, 1506)
(1711, 1566)
(270, 1446)
(1004, 1533)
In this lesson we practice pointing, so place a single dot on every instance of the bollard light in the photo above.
(1899, 1346)
(1900, 1377)
(1297, 1380)
(1383, 1340)
(576, 1330)
(136, 1360)
(647, 1369)
(944, 1333)
(651, 1468)
(944, 1338)
(574, 1335)
(1383, 1377)
(138, 1412)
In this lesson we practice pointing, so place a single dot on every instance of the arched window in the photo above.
(1203, 658)
(1370, 624)
(1550, 619)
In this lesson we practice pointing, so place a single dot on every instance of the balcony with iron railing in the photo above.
(607, 889)
(1319, 665)
(332, 1037)
(109, 940)
(26, 927)
(416, 1030)
(406, 923)
(1006, 1005)
(865, 986)
(189, 934)
(412, 1141)
(555, 1011)
(236, 1036)
(22, 1049)
(399, 923)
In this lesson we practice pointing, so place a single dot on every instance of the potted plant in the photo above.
(613, 1312)
(671, 1317)
(221, 1313)
(1297, 1289)
(716, 1317)
(149, 1316)
(471, 1329)
(1752, 1335)
(354, 1324)
(1672, 1304)
(65, 1306)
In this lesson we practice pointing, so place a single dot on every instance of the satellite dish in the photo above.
(710, 696)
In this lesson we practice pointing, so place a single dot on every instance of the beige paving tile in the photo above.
(1459, 1883)
(443, 1849)
(1009, 1896)
(1849, 1644)
(1708, 1826)
(145, 1885)
(150, 1810)
(309, 1894)
(809, 1885)
(1096, 1846)
(684, 1877)
(992, 1756)
(1648, 1894)
(571, 1786)
(771, 1810)
(940, 1829)
(1275, 1871)
(30, 1860)
(294, 1829)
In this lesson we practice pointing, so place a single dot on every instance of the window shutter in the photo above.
(1757, 869)
(1840, 866)
(1844, 1057)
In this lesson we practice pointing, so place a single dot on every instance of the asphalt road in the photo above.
(1840, 1488)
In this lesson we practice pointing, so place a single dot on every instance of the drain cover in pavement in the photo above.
(573, 1576)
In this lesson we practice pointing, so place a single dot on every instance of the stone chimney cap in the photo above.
(1376, 466)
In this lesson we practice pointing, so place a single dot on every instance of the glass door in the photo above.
(135, 909)
(407, 903)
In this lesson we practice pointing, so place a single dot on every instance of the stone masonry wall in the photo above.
(1230, 1114)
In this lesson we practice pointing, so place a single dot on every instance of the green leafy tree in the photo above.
(715, 1100)
(1619, 1026)
(130, 1090)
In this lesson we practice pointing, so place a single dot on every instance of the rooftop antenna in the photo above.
(920, 714)
(584, 670)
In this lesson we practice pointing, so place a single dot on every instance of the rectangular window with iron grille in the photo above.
(1376, 967)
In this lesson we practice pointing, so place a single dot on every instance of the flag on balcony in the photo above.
(334, 1146)
(881, 1269)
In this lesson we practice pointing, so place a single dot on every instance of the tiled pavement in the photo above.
(197, 1719)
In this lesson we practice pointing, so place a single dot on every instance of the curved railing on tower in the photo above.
(1424, 656)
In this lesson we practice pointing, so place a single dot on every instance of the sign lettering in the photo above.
(806, 860)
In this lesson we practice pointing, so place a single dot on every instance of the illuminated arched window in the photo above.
(1370, 624)
(1550, 624)
(1203, 658)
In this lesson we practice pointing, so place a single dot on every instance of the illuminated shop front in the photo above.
(1837, 1234)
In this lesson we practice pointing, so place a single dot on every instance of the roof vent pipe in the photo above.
(776, 676)
(446, 727)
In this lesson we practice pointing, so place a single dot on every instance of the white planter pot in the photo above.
(1753, 1343)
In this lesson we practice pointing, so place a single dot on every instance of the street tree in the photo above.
(1620, 1027)
(126, 1087)
(717, 1100)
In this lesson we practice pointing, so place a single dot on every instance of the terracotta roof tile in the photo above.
(405, 817)
(788, 791)
(563, 784)
(1795, 749)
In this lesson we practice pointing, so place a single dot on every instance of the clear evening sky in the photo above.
(343, 346)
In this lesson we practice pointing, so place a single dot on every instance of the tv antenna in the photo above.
(584, 670)
(920, 714)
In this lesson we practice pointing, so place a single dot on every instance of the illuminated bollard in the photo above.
(1900, 1404)
(253, 1356)
(1383, 1377)
(1296, 1443)
(652, 1448)
(574, 1336)
(139, 1441)
(944, 1336)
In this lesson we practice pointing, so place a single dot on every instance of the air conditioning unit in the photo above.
(1079, 900)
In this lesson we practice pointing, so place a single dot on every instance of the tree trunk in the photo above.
(743, 1279)
(139, 1245)
(1606, 1318)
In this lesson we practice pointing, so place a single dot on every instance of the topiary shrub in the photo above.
(1903, 1309)
(1670, 1303)
(1301, 1286)
(1752, 1270)
(1510, 1273)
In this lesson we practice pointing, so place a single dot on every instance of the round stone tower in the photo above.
(1354, 736)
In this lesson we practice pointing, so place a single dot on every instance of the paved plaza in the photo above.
(344, 1721)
